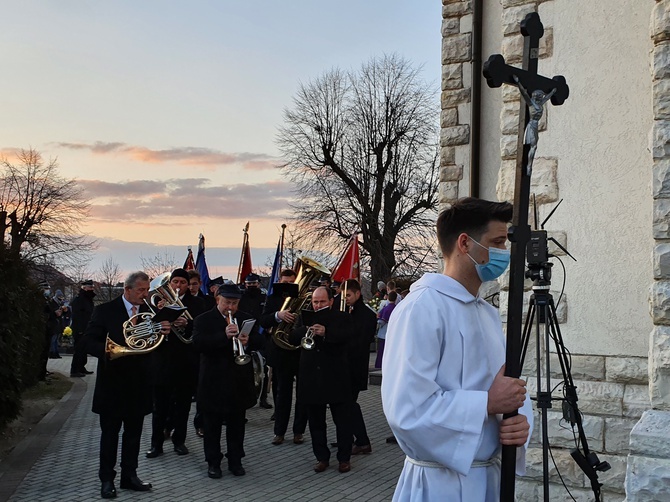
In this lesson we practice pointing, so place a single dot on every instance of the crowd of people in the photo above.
(196, 358)
(440, 345)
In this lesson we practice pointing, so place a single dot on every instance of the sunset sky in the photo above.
(166, 112)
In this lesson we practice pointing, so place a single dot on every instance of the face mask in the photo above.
(47, 293)
(497, 264)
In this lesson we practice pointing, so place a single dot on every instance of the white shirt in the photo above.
(129, 307)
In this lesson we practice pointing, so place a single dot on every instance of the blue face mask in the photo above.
(497, 264)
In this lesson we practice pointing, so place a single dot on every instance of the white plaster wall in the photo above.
(600, 136)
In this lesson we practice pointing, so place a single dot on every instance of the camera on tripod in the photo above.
(537, 256)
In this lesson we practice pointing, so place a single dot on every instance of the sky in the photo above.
(167, 112)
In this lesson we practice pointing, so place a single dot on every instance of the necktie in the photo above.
(133, 312)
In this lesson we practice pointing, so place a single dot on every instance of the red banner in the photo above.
(348, 266)
(189, 264)
(245, 260)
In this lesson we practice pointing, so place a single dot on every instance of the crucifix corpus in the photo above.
(536, 91)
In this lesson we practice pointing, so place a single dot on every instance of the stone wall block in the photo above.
(660, 22)
(512, 46)
(615, 478)
(527, 491)
(452, 76)
(595, 397)
(451, 173)
(636, 400)
(568, 468)
(448, 117)
(505, 185)
(647, 479)
(457, 48)
(514, 3)
(450, 26)
(457, 9)
(660, 302)
(659, 367)
(544, 182)
(660, 139)
(448, 192)
(457, 135)
(661, 219)
(447, 155)
(508, 146)
(650, 435)
(509, 117)
(583, 367)
(510, 93)
(629, 370)
(661, 99)
(560, 433)
(617, 434)
(562, 238)
(661, 179)
(512, 17)
(454, 97)
(661, 61)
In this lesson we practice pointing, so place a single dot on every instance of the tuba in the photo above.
(307, 270)
(140, 333)
(160, 289)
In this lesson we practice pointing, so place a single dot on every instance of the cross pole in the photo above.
(497, 72)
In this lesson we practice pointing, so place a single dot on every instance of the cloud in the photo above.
(188, 155)
(143, 200)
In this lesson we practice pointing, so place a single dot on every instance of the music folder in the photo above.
(285, 289)
(311, 317)
(169, 313)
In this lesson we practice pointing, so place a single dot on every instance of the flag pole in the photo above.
(281, 247)
(244, 247)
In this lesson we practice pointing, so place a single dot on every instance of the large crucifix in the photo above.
(536, 91)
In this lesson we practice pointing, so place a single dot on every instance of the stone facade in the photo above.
(615, 393)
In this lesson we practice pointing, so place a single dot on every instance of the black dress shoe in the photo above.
(108, 491)
(214, 472)
(154, 452)
(265, 405)
(135, 483)
(77, 375)
(86, 371)
(180, 449)
(237, 471)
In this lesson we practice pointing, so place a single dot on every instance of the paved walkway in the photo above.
(58, 461)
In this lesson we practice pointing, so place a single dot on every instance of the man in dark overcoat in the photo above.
(325, 379)
(82, 309)
(285, 364)
(122, 394)
(225, 389)
(364, 329)
(174, 373)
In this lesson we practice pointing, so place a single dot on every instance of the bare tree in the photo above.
(41, 212)
(159, 263)
(362, 151)
(109, 276)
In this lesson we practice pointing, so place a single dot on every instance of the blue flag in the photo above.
(276, 268)
(201, 266)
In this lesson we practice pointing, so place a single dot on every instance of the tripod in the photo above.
(542, 316)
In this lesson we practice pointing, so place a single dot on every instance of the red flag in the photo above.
(189, 264)
(245, 260)
(348, 266)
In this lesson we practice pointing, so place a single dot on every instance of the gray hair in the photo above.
(132, 279)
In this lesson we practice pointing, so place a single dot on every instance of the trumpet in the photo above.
(307, 341)
(238, 349)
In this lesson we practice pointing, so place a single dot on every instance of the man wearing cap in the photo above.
(82, 308)
(174, 377)
(213, 286)
(225, 389)
(122, 390)
(337, 294)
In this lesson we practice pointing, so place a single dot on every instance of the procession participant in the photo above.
(325, 379)
(174, 365)
(285, 364)
(225, 389)
(337, 294)
(82, 308)
(444, 385)
(213, 286)
(122, 391)
(194, 284)
(364, 328)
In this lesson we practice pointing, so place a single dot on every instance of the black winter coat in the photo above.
(82, 309)
(324, 370)
(122, 386)
(223, 386)
(364, 329)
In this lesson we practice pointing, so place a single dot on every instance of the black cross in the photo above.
(497, 72)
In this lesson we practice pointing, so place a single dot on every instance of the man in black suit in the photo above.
(364, 329)
(82, 309)
(225, 389)
(325, 379)
(174, 373)
(122, 390)
(285, 364)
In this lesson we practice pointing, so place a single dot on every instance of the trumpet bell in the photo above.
(242, 359)
(307, 343)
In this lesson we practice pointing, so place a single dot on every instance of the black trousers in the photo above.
(110, 425)
(79, 357)
(171, 404)
(213, 423)
(287, 371)
(341, 413)
(358, 424)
